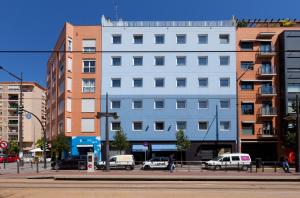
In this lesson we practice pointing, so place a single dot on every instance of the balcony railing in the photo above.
(264, 71)
(267, 111)
(266, 51)
(267, 91)
(266, 132)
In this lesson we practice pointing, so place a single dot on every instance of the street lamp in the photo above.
(107, 114)
(20, 115)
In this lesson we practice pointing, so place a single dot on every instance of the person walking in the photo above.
(285, 165)
(171, 163)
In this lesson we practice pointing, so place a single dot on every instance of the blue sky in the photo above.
(35, 24)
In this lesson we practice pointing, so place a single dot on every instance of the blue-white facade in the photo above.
(220, 44)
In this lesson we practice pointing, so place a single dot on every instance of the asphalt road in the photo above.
(147, 189)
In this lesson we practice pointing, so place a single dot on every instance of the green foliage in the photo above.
(182, 142)
(13, 148)
(59, 144)
(40, 143)
(287, 23)
(290, 140)
(120, 141)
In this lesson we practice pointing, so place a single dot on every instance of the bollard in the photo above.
(263, 167)
(31, 165)
(18, 167)
(251, 167)
(226, 166)
(4, 165)
(37, 167)
(275, 168)
(239, 166)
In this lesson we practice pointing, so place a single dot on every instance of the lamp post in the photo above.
(107, 114)
(20, 78)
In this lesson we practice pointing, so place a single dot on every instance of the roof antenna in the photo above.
(115, 2)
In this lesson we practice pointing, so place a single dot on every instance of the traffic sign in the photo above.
(90, 166)
(3, 144)
(28, 116)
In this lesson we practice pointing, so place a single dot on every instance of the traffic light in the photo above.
(47, 146)
(20, 109)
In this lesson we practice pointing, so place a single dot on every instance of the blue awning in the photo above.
(164, 147)
(139, 148)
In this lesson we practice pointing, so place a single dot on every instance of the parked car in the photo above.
(8, 158)
(230, 161)
(69, 164)
(118, 162)
(156, 163)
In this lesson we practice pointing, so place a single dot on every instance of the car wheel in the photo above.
(147, 168)
(218, 167)
(245, 168)
(56, 167)
(128, 168)
(101, 167)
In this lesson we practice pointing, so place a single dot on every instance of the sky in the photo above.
(35, 24)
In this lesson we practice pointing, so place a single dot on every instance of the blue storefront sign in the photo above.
(80, 145)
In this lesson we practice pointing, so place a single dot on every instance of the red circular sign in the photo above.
(3, 144)
(90, 166)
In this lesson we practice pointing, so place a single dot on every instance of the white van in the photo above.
(118, 161)
(230, 161)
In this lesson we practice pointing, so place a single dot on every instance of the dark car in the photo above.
(8, 159)
(69, 164)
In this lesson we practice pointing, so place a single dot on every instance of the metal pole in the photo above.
(217, 130)
(21, 122)
(238, 141)
(107, 135)
(297, 137)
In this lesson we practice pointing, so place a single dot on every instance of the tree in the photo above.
(13, 147)
(182, 143)
(120, 141)
(59, 144)
(40, 143)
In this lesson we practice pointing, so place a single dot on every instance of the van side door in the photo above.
(226, 162)
(236, 161)
(112, 162)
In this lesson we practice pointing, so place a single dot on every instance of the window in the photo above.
(137, 126)
(137, 104)
(224, 38)
(69, 84)
(115, 104)
(70, 64)
(290, 106)
(247, 128)
(61, 70)
(88, 85)
(116, 82)
(202, 38)
(116, 39)
(224, 82)
(89, 45)
(87, 105)
(61, 89)
(247, 108)
(159, 82)
(203, 125)
(116, 61)
(137, 82)
(137, 61)
(247, 65)
(225, 125)
(203, 82)
(70, 44)
(180, 125)
(159, 60)
(235, 158)
(181, 60)
(69, 125)
(224, 104)
(115, 126)
(181, 82)
(87, 125)
(180, 104)
(89, 66)
(224, 60)
(61, 107)
(202, 60)
(226, 159)
(293, 87)
(159, 104)
(180, 38)
(138, 39)
(159, 126)
(69, 105)
(203, 104)
(246, 45)
(159, 39)
(247, 86)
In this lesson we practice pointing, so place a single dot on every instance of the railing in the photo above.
(266, 91)
(264, 71)
(267, 132)
(267, 111)
(268, 51)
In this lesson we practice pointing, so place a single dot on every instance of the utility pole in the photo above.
(297, 136)
(217, 129)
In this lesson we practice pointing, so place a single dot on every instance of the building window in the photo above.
(180, 104)
(159, 82)
(137, 61)
(202, 60)
(89, 66)
(224, 38)
(224, 104)
(88, 85)
(137, 82)
(70, 44)
(246, 45)
(89, 45)
(87, 105)
(247, 108)
(224, 60)
(159, 39)
(69, 84)
(290, 106)
(180, 38)
(137, 104)
(69, 105)
(247, 65)
(138, 39)
(203, 82)
(115, 126)
(224, 82)
(137, 126)
(202, 38)
(181, 60)
(116, 39)
(116, 82)
(247, 86)
(247, 128)
(293, 87)
(61, 70)
(87, 125)
(159, 60)
(180, 125)
(202, 125)
(181, 82)
(115, 104)
(69, 125)
(159, 104)
(203, 104)
(116, 61)
(224, 125)
(159, 126)
(70, 64)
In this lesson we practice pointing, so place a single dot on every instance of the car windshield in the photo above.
(217, 158)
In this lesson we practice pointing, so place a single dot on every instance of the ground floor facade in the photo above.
(80, 145)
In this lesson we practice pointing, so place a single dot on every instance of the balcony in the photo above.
(13, 122)
(267, 112)
(266, 71)
(267, 91)
(266, 132)
(265, 52)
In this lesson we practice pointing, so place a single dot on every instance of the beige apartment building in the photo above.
(34, 100)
